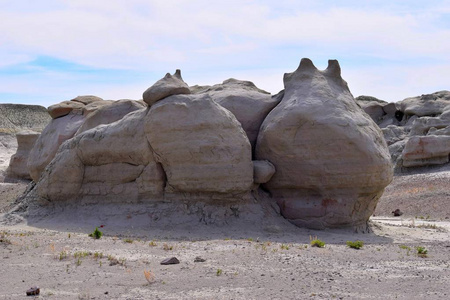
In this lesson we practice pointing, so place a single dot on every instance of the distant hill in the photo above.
(17, 117)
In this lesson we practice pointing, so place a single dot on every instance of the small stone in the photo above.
(33, 291)
(397, 213)
(170, 261)
(199, 259)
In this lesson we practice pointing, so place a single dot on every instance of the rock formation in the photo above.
(321, 158)
(331, 161)
(74, 117)
(17, 169)
(249, 104)
(417, 132)
(15, 118)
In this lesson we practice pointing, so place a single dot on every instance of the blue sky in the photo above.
(52, 51)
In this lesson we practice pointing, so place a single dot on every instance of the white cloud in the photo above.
(253, 40)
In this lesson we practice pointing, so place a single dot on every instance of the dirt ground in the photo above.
(242, 261)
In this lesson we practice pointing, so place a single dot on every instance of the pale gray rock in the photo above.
(62, 178)
(109, 113)
(426, 150)
(332, 163)
(64, 108)
(426, 105)
(200, 144)
(390, 109)
(108, 163)
(393, 134)
(94, 106)
(57, 131)
(169, 85)
(18, 169)
(87, 99)
(263, 171)
(422, 126)
(374, 110)
(249, 104)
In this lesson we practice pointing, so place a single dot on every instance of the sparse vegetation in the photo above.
(96, 234)
(152, 244)
(219, 272)
(284, 247)
(407, 248)
(129, 241)
(422, 251)
(4, 239)
(149, 276)
(315, 242)
(355, 244)
(167, 247)
(62, 255)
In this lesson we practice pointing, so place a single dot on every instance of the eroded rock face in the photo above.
(249, 104)
(110, 162)
(426, 150)
(426, 105)
(85, 112)
(323, 159)
(201, 146)
(169, 85)
(409, 121)
(18, 169)
(332, 163)
(58, 131)
(110, 113)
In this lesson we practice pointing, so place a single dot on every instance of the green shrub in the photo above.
(317, 243)
(355, 244)
(96, 234)
(421, 251)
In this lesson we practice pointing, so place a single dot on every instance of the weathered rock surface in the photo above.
(426, 150)
(64, 108)
(85, 112)
(249, 104)
(263, 171)
(110, 113)
(15, 118)
(200, 144)
(332, 163)
(58, 131)
(407, 122)
(169, 85)
(426, 105)
(320, 157)
(111, 162)
(18, 169)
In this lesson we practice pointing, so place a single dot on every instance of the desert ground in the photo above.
(242, 261)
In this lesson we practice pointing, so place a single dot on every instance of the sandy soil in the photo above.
(423, 196)
(266, 259)
(68, 264)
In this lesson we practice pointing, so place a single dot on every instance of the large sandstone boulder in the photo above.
(168, 85)
(200, 144)
(57, 131)
(112, 162)
(426, 105)
(85, 112)
(110, 113)
(249, 104)
(426, 150)
(18, 168)
(332, 163)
